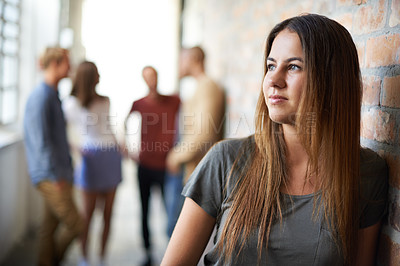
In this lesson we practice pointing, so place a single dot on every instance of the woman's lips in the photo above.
(277, 99)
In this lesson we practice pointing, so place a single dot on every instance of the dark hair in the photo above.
(85, 82)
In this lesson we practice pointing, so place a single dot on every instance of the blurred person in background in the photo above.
(201, 117)
(100, 170)
(49, 160)
(201, 125)
(158, 113)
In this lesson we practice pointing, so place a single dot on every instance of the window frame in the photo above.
(11, 116)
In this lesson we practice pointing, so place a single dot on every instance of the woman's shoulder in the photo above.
(374, 187)
(71, 103)
(374, 173)
(102, 98)
(233, 146)
(371, 164)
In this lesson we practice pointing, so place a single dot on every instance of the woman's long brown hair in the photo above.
(85, 82)
(328, 124)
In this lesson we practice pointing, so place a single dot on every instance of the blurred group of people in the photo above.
(168, 151)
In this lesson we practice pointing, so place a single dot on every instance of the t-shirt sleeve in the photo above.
(374, 188)
(207, 182)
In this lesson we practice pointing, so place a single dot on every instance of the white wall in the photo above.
(20, 204)
(39, 28)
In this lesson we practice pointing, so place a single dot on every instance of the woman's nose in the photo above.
(276, 79)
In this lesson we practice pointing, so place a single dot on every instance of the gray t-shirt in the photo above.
(299, 239)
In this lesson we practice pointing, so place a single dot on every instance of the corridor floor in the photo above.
(125, 241)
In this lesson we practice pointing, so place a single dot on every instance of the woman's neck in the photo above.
(297, 163)
(295, 152)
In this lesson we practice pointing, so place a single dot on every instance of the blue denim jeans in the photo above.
(173, 199)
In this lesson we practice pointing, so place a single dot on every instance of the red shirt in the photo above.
(158, 128)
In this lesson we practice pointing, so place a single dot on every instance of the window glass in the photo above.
(15, 2)
(10, 73)
(11, 13)
(9, 102)
(10, 47)
(10, 30)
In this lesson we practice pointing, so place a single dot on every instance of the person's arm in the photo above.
(72, 111)
(123, 144)
(367, 245)
(133, 109)
(190, 236)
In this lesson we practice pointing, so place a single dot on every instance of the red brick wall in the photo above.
(233, 33)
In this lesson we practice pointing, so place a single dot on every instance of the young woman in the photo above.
(300, 191)
(100, 171)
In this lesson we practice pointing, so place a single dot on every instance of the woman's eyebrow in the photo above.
(287, 60)
(294, 59)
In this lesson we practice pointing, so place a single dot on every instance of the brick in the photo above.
(346, 20)
(383, 50)
(378, 125)
(370, 17)
(344, 2)
(367, 125)
(388, 251)
(391, 92)
(303, 7)
(361, 54)
(306, 6)
(394, 214)
(350, 2)
(288, 13)
(393, 162)
(266, 8)
(394, 19)
(323, 6)
(371, 90)
(240, 9)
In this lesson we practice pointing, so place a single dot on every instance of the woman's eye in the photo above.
(294, 67)
(270, 67)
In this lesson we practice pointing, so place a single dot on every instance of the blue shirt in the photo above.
(46, 145)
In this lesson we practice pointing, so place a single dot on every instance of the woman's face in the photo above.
(285, 77)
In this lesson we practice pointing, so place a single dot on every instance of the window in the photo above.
(10, 11)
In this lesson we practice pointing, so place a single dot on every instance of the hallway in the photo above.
(125, 242)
